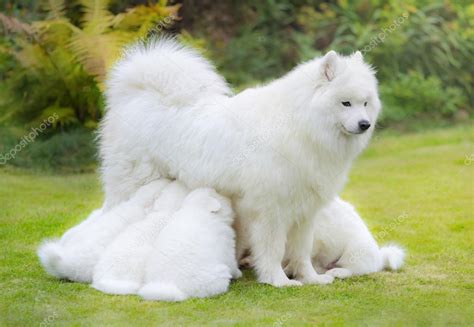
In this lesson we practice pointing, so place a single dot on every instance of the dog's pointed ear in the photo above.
(358, 56)
(328, 65)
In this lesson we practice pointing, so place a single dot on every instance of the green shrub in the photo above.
(57, 63)
(413, 95)
(265, 39)
(52, 64)
(8, 140)
(433, 38)
(66, 152)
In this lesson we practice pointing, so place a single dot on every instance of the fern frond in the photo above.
(13, 25)
(63, 116)
(55, 32)
(146, 19)
(31, 56)
(55, 8)
(96, 52)
(97, 18)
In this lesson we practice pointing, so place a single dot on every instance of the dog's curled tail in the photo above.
(162, 292)
(171, 74)
(49, 254)
(392, 256)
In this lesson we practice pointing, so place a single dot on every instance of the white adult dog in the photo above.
(279, 151)
(344, 246)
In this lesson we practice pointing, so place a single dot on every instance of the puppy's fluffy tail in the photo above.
(392, 256)
(162, 292)
(50, 257)
(170, 73)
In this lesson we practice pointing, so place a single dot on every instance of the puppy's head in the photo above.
(209, 200)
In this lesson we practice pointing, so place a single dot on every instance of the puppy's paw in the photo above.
(245, 262)
(162, 292)
(118, 287)
(339, 273)
(236, 274)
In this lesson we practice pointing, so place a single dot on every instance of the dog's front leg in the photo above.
(299, 248)
(267, 242)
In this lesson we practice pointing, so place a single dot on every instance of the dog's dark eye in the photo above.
(365, 104)
(346, 104)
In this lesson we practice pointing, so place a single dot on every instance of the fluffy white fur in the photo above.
(75, 255)
(121, 267)
(280, 151)
(344, 246)
(194, 256)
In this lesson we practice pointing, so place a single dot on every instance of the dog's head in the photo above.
(343, 98)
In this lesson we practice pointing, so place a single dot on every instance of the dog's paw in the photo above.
(339, 273)
(281, 282)
(287, 283)
(318, 279)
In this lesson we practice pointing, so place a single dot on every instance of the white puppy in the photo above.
(75, 255)
(344, 246)
(194, 255)
(121, 267)
(281, 151)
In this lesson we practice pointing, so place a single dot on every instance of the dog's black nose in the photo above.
(364, 125)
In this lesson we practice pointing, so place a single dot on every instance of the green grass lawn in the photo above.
(416, 190)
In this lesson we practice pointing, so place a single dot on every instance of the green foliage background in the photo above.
(54, 55)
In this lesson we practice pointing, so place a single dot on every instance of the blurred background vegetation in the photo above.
(54, 55)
